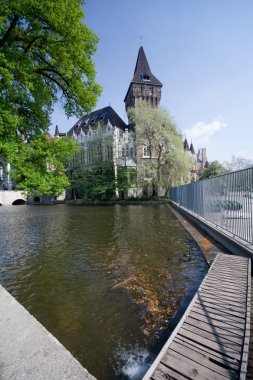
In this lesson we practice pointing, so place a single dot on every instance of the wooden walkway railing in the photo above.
(212, 339)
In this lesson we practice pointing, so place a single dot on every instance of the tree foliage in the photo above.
(166, 164)
(45, 56)
(215, 168)
(45, 53)
(39, 167)
(237, 163)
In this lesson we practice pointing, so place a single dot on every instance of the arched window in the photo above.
(123, 152)
(131, 152)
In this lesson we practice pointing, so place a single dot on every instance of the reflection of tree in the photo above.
(143, 261)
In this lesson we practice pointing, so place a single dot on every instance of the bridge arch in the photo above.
(18, 202)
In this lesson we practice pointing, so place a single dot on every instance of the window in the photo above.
(131, 152)
(145, 77)
(123, 152)
(146, 151)
(127, 151)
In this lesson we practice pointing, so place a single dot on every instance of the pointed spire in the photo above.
(56, 133)
(186, 145)
(192, 148)
(142, 72)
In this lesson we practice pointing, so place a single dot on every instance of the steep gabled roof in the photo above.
(192, 149)
(186, 145)
(102, 115)
(142, 72)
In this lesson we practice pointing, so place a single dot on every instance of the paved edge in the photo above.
(206, 244)
(28, 351)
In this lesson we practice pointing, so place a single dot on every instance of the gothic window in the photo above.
(123, 152)
(131, 152)
(127, 151)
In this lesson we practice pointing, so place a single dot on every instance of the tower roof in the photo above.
(56, 133)
(142, 72)
(192, 149)
(186, 145)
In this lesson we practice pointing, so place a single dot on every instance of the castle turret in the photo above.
(144, 84)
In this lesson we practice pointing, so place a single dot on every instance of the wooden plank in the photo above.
(209, 340)
(224, 284)
(232, 281)
(225, 294)
(212, 354)
(189, 368)
(162, 372)
(226, 298)
(218, 318)
(203, 359)
(219, 300)
(216, 331)
(212, 344)
(229, 284)
(223, 341)
(217, 323)
(220, 312)
(229, 291)
(219, 307)
(226, 281)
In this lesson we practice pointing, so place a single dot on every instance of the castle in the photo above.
(105, 138)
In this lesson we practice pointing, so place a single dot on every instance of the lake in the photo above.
(109, 282)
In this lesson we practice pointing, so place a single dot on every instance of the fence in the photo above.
(226, 201)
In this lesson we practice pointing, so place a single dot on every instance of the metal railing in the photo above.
(226, 201)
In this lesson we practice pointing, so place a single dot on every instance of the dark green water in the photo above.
(108, 282)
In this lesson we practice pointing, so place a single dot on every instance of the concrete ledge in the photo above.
(116, 202)
(28, 351)
(233, 244)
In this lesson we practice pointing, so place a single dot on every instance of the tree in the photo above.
(45, 53)
(214, 169)
(237, 163)
(45, 56)
(166, 164)
(39, 167)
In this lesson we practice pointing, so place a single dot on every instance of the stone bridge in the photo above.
(11, 197)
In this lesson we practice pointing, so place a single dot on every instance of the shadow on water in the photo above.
(109, 282)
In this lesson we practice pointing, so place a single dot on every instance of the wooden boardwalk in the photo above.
(212, 339)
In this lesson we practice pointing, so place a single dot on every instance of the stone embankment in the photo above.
(28, 351)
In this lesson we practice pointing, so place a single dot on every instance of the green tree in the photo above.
(215, 168)
(45, 56)
(166, 164)
(45, 53)
(39, 167)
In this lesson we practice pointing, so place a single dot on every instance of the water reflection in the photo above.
(105, 281)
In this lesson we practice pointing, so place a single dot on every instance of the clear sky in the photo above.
(202, 52)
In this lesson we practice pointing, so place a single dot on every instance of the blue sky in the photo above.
(202, 52)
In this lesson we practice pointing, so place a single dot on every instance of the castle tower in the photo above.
(144, 84)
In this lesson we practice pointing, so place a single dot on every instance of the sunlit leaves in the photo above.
(167, 164)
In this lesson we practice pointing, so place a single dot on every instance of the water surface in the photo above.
(108, 282)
